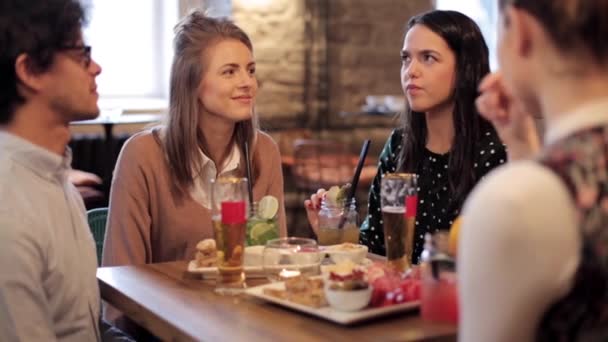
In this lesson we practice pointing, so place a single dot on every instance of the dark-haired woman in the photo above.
(442, 138)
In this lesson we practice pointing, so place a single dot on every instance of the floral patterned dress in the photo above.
(436, 207)
(581, 161)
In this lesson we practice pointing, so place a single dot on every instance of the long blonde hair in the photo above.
(181, 138)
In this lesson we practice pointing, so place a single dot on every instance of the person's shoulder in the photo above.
(516, 181)
(489, 140)
(396, 136)
(518, 224)
(6, 169)
(143, 146)
(394, 141)
(12, 181)
(519, 194)
(19, 223)
(265, 141)
(521, 204)
(268, 147)
(144, 140)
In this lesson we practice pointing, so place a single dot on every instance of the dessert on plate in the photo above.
(206, 253)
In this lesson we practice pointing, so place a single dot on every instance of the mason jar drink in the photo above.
(338, 222)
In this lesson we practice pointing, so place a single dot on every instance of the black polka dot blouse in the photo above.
(436, 209)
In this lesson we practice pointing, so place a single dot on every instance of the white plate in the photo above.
(211, 272)
(329, 313)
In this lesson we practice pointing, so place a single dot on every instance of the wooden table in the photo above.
(175, 305)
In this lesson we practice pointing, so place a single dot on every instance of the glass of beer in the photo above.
(399, 199)
(229, 216)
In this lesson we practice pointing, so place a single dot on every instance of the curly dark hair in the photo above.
(37, 28)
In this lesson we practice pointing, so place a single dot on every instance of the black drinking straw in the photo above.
(248, 167)
(353, 187)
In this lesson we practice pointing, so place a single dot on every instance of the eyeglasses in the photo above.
(84, 50)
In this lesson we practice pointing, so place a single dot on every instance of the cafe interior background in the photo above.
(328, 71)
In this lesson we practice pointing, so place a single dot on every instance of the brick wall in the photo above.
(317, 58)
(364, 40)
(277, 32)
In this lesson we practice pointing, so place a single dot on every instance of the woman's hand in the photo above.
(515, 126)
(313, 205)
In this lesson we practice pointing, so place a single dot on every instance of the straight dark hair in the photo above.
(38, 28)
(466, 42)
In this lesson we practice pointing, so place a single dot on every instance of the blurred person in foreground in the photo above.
(48, 263)
(533, 260)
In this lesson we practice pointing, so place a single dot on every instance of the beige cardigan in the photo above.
(147, 224)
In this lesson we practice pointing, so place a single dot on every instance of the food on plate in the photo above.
(347, 251)
(206, 253)
(347, 246)
(348, 292)
(353, 276)
(390, 287)
(342, 267)
(301, 290)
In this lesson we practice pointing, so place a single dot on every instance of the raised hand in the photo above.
(313, 205)
(515, 125)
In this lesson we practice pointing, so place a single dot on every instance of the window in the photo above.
(131, 41)
(485, 14)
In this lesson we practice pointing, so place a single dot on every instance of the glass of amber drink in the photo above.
(338, 222)
(399, 199)
(229, 216)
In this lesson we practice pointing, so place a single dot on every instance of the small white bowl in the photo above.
(253, 255)
(356, 253)
(348, 300)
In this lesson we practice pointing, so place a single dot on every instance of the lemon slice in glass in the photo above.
(332, 194)
(262, 232)
(268, 207)
(337, 194)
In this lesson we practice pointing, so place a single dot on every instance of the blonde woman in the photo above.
(159, 201)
